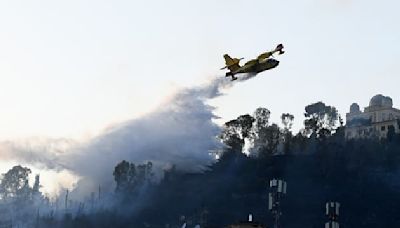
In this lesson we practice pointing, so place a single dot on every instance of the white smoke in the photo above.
(180, 132)
(40, 152)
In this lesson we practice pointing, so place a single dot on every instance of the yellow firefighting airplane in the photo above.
(263, 62)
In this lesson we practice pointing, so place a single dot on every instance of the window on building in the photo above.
(382, 128)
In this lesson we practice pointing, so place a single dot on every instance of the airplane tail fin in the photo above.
(279, 49)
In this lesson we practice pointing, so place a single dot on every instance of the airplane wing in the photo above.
(265, 55)
(251, 63)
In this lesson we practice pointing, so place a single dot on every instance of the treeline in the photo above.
(19, 202)
(317, 162)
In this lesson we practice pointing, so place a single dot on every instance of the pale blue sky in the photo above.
(70, 68)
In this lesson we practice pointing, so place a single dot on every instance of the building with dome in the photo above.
(377, 120)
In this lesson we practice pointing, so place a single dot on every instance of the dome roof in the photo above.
(381, 101)
(354, 108)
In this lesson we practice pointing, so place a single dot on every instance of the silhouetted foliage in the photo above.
(287, 121)
(320, 119)
(129, 177)
(236, 131)
(19, 202)
(319, 165)
(14, 183)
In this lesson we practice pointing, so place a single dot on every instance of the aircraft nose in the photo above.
(273, 62)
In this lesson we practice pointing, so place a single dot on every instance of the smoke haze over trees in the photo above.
(175, 165)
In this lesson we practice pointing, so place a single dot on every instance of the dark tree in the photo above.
(320, 119)
(272, 136)
(124, 174)
(265, 137)
(236, 131)
(36, 185)
(287, 121)
(130, 177)
(261, 116)
(14, 183)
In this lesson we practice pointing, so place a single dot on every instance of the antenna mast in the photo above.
(277, 191)
(332, 211)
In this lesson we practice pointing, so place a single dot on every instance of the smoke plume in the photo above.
(180, 132)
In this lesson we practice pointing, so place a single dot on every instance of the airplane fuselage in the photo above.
(261, 66)
(263, 62)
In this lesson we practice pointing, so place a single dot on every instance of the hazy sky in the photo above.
(71, 68)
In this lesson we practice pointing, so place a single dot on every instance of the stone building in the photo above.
(377, 120)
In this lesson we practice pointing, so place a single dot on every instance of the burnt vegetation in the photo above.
(318, 164)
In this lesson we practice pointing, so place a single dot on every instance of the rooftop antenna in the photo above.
(332, 211)
(277, 191)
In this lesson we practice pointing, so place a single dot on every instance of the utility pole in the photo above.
(66, 200)
(99, 191)
(203, 217)
(277, 191)
(92, 200)
(332, 211)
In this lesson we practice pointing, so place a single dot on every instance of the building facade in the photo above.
(376, 121)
